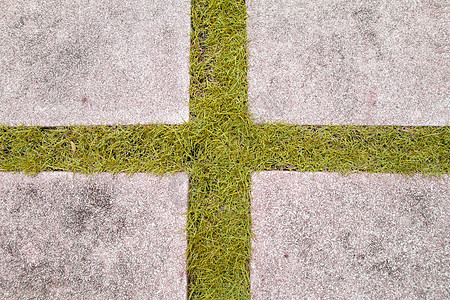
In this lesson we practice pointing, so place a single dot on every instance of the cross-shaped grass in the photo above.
(219, 148)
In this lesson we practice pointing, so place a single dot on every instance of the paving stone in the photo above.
(94, 62)
(107, 237)
(349, 62)
(328, 236)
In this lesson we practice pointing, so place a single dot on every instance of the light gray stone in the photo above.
(94, 62)
(349, 62)
(328, 236)
(105, 237)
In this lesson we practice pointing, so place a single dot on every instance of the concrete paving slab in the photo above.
(94, 62)
(349, 62)
(108, 237)
(327, 236)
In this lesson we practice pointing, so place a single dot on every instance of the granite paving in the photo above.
(70, 236)
(361, 236)
(319, 235)
(94, 62)
(349, 62)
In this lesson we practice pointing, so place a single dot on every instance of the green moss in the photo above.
(219, 148)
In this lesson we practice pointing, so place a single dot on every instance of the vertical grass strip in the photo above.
(219, 208)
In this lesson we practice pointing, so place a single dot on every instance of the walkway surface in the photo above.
(94, 62)
(107, 237)
(349, 62)
(327, 236)
(320, 236)
(91, 63)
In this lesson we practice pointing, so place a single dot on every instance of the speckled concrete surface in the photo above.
(111, 237)
(327, 236)
(349, 62)
(94, 62)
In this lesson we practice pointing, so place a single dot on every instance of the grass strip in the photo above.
(348, 149)
(219, 148)
(219, 236)
(157, 148)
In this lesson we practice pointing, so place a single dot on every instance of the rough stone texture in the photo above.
(64, 237)
(94, 62)
(327, 236)
(349, 62)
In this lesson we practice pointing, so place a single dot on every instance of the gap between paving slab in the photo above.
(66, 235)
